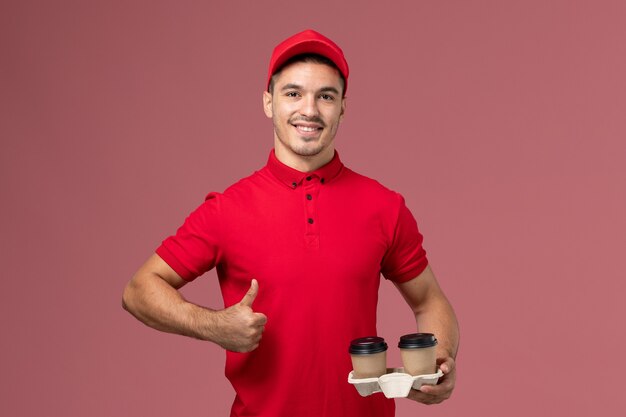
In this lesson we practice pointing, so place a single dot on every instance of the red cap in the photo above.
(308, 42)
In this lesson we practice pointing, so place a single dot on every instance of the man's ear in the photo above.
(267, 104)
(343, 108)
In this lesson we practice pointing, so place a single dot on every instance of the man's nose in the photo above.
(309, 106)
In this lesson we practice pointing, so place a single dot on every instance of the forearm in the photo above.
(434, 314)
(437, 316)
(157, 304)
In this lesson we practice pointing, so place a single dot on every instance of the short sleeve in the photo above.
(405, 258)
(194, 248)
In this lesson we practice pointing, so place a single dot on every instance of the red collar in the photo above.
(292, 177)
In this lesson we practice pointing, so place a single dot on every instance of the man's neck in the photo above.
(304, 163)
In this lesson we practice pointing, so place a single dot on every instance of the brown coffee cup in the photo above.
(418, 353)
(369, 357)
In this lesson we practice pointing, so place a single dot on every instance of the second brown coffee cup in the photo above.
(369, 357)
(418, 353)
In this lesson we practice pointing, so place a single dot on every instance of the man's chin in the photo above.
(307, 152)
(304, 148)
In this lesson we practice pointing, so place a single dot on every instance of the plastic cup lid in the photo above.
(417, 340)
(367, 345)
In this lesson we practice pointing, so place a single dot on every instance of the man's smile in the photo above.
(307, 128)
(307, 122)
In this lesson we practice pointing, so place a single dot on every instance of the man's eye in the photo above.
(292, 94)
(327, 97)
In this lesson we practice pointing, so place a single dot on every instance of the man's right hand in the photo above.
(240, 328)
(152, 296)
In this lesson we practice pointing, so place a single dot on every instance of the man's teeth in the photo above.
(307, 129)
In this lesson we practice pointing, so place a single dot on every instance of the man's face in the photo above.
(306, 106)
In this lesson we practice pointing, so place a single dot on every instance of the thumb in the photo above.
(248, 299)
(447, 365)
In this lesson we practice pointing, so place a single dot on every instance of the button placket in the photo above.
(311, 191)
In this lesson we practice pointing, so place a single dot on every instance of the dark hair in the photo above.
(309, 58)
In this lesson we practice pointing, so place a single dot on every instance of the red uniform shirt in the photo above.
(317, 243)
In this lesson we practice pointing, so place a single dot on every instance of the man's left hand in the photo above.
(434, 394)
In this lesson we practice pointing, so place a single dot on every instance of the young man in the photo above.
(299, 248)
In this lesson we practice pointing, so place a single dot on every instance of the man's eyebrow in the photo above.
(291, 86)
(329, 90)
(299, 87)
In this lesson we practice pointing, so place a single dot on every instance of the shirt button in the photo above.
(309, 197)
(294, 185)
(322, 180)
(309, 178)
(310, 221)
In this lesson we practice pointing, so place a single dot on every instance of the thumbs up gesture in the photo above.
(240, 328)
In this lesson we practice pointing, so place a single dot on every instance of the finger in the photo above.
(422, 397)
(248, 299)
(260, 319)
(245, 349)
(442, 390)
(447, 365)
(438, 389)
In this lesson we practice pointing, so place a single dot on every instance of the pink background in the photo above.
(502, 123)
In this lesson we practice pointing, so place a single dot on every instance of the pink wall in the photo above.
(502, 123)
